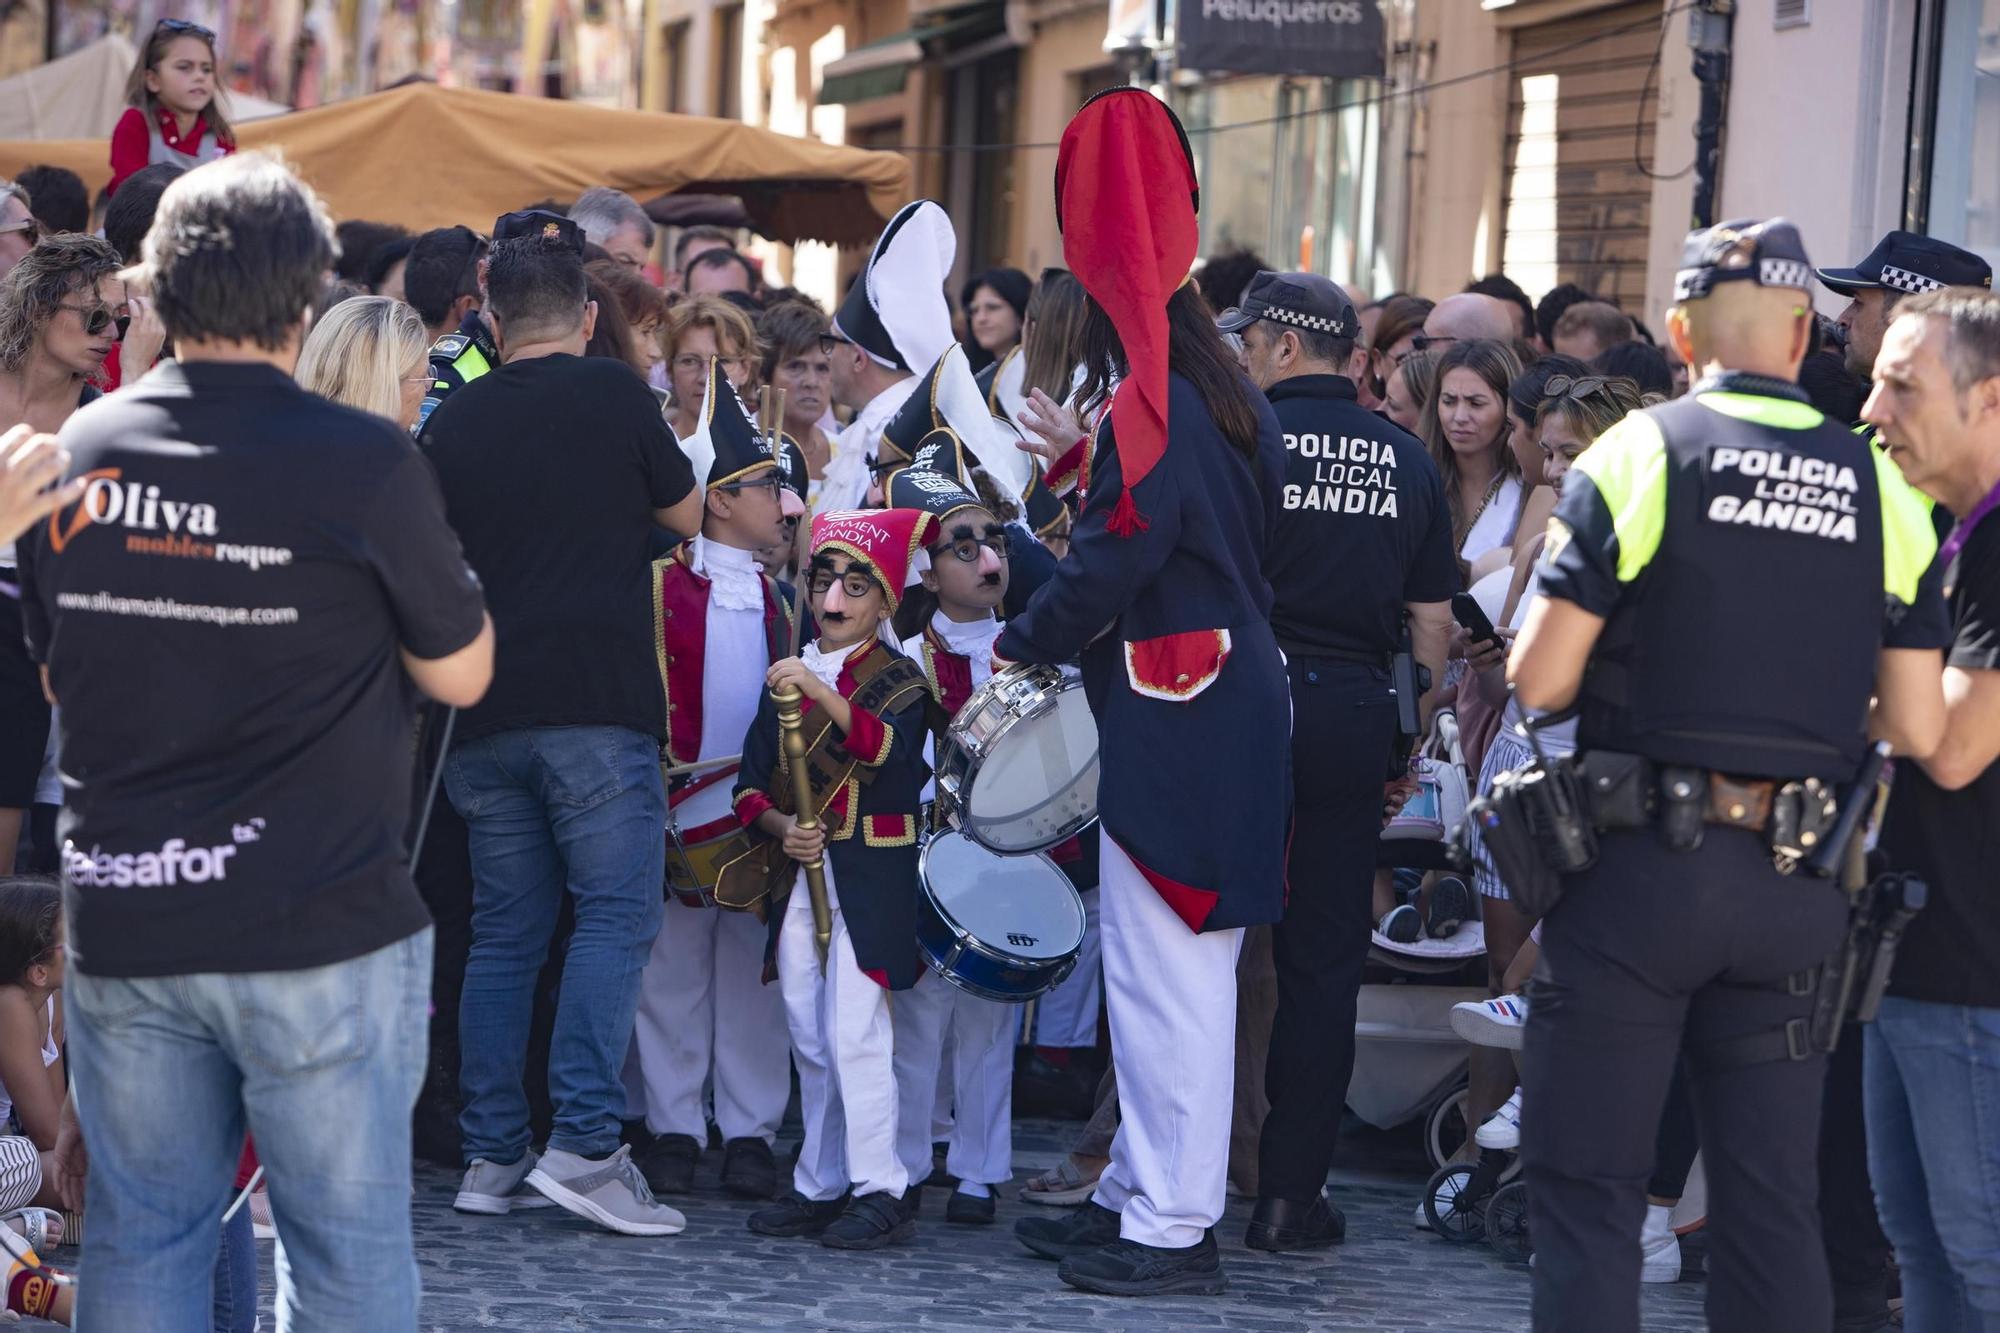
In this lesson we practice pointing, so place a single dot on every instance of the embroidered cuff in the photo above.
(1066, 472)
(868, 739)
(1176, 667)
(751, 803)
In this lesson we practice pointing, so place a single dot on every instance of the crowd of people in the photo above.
(484, 584)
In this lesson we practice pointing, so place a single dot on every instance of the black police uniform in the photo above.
(1363, 529)
(1742, 549)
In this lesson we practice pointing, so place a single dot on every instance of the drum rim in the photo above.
(1044, 981)
(972, 942)
(963, 758)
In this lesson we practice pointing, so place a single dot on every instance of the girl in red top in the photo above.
(173, 116)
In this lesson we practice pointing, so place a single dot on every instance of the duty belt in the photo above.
(1629, 791)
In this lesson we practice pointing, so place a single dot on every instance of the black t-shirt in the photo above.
(1951, 953)
(221, 618)
(1363, 527)
(552, 468)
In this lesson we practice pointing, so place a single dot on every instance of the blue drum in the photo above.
(1004, 928)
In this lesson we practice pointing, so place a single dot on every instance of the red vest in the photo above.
(680, 641)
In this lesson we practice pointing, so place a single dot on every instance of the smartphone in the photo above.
(1465, 609)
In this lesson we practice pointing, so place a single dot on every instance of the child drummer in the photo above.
(864, 727)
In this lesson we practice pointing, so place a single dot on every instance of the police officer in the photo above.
(1901, 263)
(458, 358)
(1362, 538)
(1728, 579)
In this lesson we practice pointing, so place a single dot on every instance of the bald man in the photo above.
(1468, 316)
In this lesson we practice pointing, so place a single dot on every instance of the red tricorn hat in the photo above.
(1125, 200)
(885, 540)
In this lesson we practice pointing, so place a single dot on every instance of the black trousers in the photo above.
(1857, 1253)
(1343, 724)
(1652, 954)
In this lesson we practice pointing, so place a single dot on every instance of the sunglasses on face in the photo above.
(830, 343)
(28, 228)
(98, 318)
(1423, 342)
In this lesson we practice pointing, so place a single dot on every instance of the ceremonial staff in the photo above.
(791, 716)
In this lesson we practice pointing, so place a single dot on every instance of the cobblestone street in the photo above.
(544, 1271)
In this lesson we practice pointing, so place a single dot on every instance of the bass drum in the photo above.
(1017, 768)
(1004, 928)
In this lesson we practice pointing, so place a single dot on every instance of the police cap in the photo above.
(538, 222)
(1767, 253)
(1301, 300)
(1906, 262)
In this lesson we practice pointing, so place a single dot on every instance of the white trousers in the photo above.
(930, 1017)
(844, 1046)
(1067, 1015)
(1172, 999)
(703, 1006)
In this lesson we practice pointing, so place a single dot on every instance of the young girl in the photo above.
(31, 1024)
(173, 115)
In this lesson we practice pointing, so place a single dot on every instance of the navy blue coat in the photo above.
(1188, 687)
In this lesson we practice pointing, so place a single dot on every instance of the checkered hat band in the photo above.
(1905, 281)
(1784, 273)
(1299, 319)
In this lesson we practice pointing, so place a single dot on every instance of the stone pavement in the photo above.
(545, 1271)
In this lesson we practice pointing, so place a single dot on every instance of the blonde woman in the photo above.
(371, 353)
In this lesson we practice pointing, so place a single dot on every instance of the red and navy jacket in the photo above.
(871, 822)
(1189, 689)
(680, 641)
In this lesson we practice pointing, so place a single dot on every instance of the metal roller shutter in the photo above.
(1577, 205)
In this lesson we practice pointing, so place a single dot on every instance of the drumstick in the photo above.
(790, 729)
(799, 589)
(682, 770)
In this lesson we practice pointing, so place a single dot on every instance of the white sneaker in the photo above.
(1659, 1247)
(611, 1192)
(494, 1189)
(1502, 1129)
(1499, 1022)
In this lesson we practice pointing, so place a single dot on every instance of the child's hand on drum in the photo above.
(803, 844)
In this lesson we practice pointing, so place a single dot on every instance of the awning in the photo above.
(425, 156)
(881, 68)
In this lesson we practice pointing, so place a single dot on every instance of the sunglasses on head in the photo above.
(1566, 386)
(184, 28)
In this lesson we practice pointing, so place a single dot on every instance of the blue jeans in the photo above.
(236, 1275)
(323, 1066)
(1932, 1083)
(550, 809)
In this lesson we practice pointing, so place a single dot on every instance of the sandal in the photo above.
(1062, 1186)
(36, 1225)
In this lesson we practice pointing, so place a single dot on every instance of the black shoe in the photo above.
(668, 1163)
(1286, 1224)
(1127, 1268)
(969, 1209)
(796, 1215)
(939, 1178)
(1451, 907)
(872, 1221)
(1088, 1228)
(749, 1171)
(1061, 1092)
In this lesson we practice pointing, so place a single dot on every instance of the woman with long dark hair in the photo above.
(1187, 684)
(1466, 429)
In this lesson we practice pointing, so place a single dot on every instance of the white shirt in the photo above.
(845, 484)
(1495, 526)
(970, 639)
(734, 660)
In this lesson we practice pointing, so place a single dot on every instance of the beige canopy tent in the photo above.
(426, 156)
(81, 96)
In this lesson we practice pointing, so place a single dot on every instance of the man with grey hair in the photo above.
(613, 220)
(1931, 1064)
(247, 950)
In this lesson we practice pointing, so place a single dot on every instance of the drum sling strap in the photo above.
(886, 682)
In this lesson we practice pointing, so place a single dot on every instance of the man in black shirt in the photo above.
(233, 616)
(555, 468)
(1932, 1060)
(1363, 539)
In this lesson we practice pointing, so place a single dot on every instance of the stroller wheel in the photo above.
(1507, 1221)
(1452, 1213)
(1445, 1130)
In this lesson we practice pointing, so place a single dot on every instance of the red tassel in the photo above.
(1126, 518)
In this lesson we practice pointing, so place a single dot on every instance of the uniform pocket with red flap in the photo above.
(1176, 667)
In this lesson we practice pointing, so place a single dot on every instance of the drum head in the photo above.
(1042, 780)
(1019, 905)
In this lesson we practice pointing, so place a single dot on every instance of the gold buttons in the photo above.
(1737, 811)
(1181, 679)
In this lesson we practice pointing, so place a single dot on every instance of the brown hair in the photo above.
(1052, 334)
(639, 301)
(787, 329)
(734, 335)
(1495, 363)
(1195, 351)
(1401, 316)
(1602, 320)
(1590, 414)
(150, 56)
(35, 289)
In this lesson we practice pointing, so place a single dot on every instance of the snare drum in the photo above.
(1017, 769)
(1004, 928)
(698, 853)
